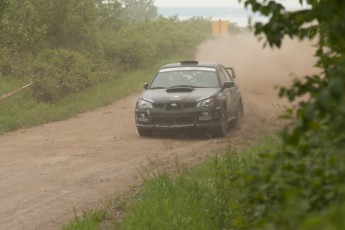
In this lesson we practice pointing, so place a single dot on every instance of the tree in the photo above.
(111, 15)
(72, 24)
(139, 10)
(21, 33)
(20, 26)
(3, 5)
(306, 176)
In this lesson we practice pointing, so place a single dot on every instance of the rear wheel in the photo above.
(222, 130)
(144, 132)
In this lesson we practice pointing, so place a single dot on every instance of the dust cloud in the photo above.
(260, 71)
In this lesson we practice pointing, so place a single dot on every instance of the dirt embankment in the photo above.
(48, 170)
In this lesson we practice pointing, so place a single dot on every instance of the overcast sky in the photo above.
(213, 3)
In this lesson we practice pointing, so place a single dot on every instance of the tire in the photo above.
(239, 115)
(145, 132)
(222, 130)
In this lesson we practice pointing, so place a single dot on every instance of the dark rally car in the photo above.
(190, 94)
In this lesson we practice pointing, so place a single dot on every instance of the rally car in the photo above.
(190, 94)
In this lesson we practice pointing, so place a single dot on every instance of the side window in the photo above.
(222, 76)
(228, 77)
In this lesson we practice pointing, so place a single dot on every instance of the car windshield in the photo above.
(195, 77)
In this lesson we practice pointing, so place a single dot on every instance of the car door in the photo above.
(233, 93)
(226, 91)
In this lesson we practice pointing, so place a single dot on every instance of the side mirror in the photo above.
(146, 85)
(231, 70)
(228, 84)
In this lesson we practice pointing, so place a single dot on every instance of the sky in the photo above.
(214, 3)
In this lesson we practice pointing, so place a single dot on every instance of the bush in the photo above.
(129, 49)
(59, 73)
(147, 42)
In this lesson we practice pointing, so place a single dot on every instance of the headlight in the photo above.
(209, 102)
(145, 104)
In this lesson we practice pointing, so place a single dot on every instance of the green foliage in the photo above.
(207, 196)
(22, 110)
(21, 28)
(3, 5)
(72, 24)
(303, 181)
(59, 73)
(111, 15)
(5, 61)
(139, 10)
(93, 37)
(89, 220)
(113, 35)
(174, 37)
(331, 218)
(130, 49)
(145, 42)
(21, 33)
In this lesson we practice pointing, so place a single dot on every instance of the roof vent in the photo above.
(189, 62)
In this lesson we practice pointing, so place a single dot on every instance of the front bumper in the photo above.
(174, 119)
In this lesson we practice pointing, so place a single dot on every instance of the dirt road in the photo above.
(45, 171)
(48, 170)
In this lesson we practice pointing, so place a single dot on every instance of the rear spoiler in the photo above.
(189, 62)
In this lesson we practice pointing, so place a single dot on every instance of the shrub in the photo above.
(58, 73)
(130, 49)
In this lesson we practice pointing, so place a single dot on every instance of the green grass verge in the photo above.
(89, 220)
(22, 110)
(9, 84)
(203, 197)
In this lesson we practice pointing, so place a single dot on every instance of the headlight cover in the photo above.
(209, 102)
(143, 104)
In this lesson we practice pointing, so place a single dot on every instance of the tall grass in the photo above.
(22, 110)
(9, 84)
(204, 197)
(89, 220)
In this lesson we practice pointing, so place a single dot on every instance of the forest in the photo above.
(65, 46)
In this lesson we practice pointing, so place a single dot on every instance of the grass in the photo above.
(89, 220)
(22, 110)
(203, 197)
(207, 196)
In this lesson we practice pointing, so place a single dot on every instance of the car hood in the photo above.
(184, 95)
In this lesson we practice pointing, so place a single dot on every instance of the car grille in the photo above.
(173, 105)
(173, 121)
(189, 105)
(158, 105)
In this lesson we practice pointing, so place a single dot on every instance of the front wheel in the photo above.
(222, 130)
(239, 115)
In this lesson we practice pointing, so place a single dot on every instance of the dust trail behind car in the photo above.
(260, 71)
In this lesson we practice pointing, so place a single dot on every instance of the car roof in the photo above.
(190, 64)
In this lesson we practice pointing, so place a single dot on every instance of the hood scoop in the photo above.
(179, 89)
